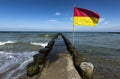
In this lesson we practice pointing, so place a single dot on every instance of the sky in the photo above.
(56, 15)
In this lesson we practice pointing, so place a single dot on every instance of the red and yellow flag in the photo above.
(83, 17)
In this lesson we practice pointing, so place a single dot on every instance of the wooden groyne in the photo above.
(59, 60)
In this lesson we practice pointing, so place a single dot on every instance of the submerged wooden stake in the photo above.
(86, 70)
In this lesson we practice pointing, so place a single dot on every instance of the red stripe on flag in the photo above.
(83, 12)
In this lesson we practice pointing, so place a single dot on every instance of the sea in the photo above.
(100, 48)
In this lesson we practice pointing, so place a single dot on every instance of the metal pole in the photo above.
(73, 26)
(73, 33)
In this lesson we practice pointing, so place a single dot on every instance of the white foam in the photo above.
(7, 42)
(20, 68)
(41, 44)
(1, 52)
(23, 65)
(46, 35)
(8, 64)
(11, 56)
(10, 61)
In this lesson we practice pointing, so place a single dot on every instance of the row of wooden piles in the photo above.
(39, 59)
(85, 69)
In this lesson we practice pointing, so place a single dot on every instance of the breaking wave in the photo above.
(7, 42)
(41, 44)
(12, 65)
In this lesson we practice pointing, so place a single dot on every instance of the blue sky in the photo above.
(56, 15)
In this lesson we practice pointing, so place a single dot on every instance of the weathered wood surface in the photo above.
(59, 64)
(86, 70)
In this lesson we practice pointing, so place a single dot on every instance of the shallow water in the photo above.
(101, 49)
(16, 51)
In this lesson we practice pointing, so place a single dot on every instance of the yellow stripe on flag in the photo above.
(85, 21)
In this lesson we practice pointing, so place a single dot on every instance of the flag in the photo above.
(83, 17)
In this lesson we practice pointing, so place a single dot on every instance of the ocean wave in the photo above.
(46, 35)
(7, 42)
(41, 44)
(12, 63)
(19, 70)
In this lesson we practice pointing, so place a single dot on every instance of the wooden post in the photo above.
(44, 51)
(39, 59)
(32, 69)
(86, 70)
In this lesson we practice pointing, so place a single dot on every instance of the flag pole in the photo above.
(73, 32)
(73, 27)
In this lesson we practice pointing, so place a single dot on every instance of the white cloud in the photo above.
(106, 23)
(55, 21)
(57, 13)
(52, 20)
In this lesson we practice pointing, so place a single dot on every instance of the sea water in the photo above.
(17, 48)
(102, 49)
